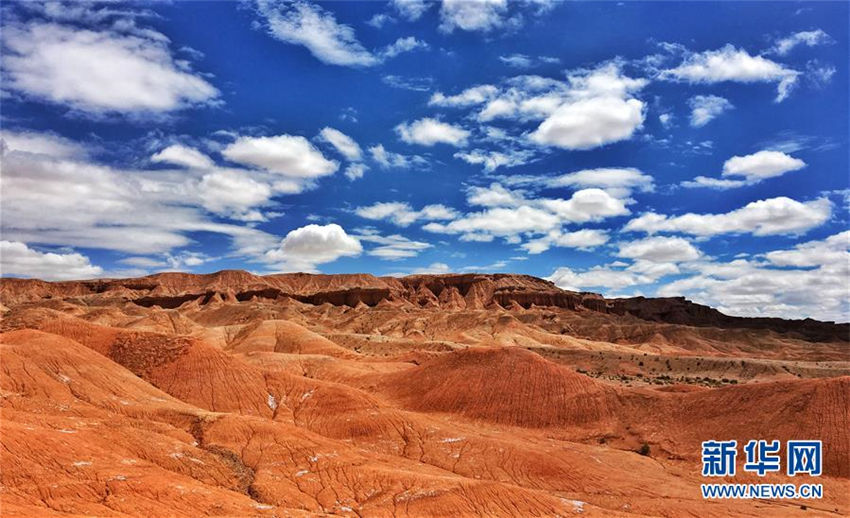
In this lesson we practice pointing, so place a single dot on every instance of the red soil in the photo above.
(231, 394)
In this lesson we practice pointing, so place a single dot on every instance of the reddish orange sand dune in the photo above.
(238, 395)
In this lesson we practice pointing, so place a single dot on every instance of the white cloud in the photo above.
(393, 247)
(704, 108)
(402, 214)
(415, 84)
(517, 60)
(287, 155)
(809, 280)
(472, 15)
(832, 250)
(761, 165)
(303, 23)
(753, 168)
(511, 215)
(600, 97)
(469, 97)
(731, 64)
(307, 24)
(389, 159)
(379, 20)
(808, 38)
(432, 269)
(761, 218)
(590, 123)
(499, 221)
(595, 107)
(355, 171)
(428, 132)
(233, 194)
(18, 259)
(95, 206)
(47, 144)
(659, 250)
(597, 277)
(494, 196)
(584, 239)
(616, 181)
(183, 155)
(99, 72)
(346, 145)
(401, 46)
(586, 205)
(713, 183)
(492, 160)
(304, 248)
(411, 10)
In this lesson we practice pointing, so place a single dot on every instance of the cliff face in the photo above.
(450, 292)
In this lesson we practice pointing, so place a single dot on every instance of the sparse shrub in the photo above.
(644, 449)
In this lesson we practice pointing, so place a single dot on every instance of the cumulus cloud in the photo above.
(705, 108)
(472, 15)
(761, 165)
(511, 215)
(345, 145)
(432, 269)
(428, 132)
(492, 160)
(287, 155)
(185, 156)
(411, 10)
(832, 250)
(309, 25)
(401, 46)
(761, 218)
(393, 247)
(306, 247)
(659, 250)
(18, 259)
(100, 72)
(598, 277)
(732, 64)
(355, 171)
(389, 159)
(47, 144)
(95, 206)
(403, 215)
(593, 107)
(751, 169)
(469, 97)
(584, 239)
(809, 38)
(616, 181)
(590, 123)
(233, 194)
(809, 280)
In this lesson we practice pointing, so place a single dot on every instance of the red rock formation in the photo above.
(232, 394)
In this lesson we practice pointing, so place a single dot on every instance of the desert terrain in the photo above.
(237, 395)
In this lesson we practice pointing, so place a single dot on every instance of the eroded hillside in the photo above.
(231, 394)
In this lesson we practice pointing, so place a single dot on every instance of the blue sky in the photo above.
(658, 148)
